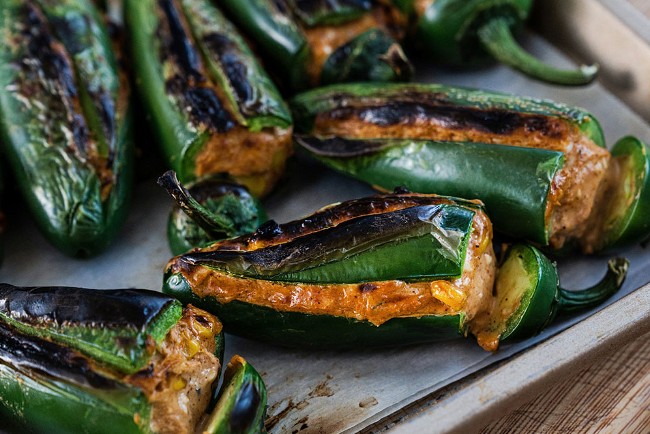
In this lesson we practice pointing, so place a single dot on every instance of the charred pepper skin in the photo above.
(71, 359)
(213, 108)
(280, 29)
(64, 121)
(474, 32)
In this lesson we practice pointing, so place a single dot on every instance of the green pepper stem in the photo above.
(498, 40)
(213, 224)
(569, 301)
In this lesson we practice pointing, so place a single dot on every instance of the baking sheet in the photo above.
(327, 392)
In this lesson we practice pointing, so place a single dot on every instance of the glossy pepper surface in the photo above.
(317, 42)
(64, 121)
(128, 361)
(471, 32)
(540, 167)
(213, 108)
(387, 270)
(209, 210)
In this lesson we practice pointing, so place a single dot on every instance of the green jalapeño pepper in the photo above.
(385, 270)
(213, 107)
(539, 167)
(320, 42)
(64, 122)
(127, 361)
(212, 209)
(471, 32)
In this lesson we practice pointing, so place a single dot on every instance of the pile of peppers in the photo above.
(392, 269)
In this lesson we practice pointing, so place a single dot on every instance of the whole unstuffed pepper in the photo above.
(320, 42)
(473, 32)
(385, 270)
(64, 122)
(119, 361)
(541, 168)
(213, 108)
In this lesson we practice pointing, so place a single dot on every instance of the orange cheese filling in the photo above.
(256, 159)
(182, 375)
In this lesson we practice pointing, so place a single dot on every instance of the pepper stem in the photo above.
(498, 40)
(569, 301)
(213, 224)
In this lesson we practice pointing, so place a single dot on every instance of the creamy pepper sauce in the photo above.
(575, 187)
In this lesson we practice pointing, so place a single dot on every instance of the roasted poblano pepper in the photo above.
(385, 270)
(212, 106)
(212, 209)
(64, 122)
(540, 167)
(471, 32)
(320, 42)
(127, 361)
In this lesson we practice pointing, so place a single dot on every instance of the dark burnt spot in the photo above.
(246, 405)
(227, 53)
(367, 287)
(269, 230)
(202, 320)
(179, 43)
(204, 106)
(40, 47)
(411, 107)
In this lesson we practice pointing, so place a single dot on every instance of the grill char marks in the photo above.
(189, 84)
(318, 247)
(229, 56)
(492, 121)
(106, 308)
(180, 43)
(49, 359)
(47, 76)
(76, 32)
(273, 233)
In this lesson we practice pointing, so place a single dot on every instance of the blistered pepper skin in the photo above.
(65, 121)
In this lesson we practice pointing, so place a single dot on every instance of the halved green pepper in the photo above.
(540, 167)
(100, 361)
(472, 32)
(64, 122)
(320, 42)
(212, 209)
(212, 106)
(386, 270)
